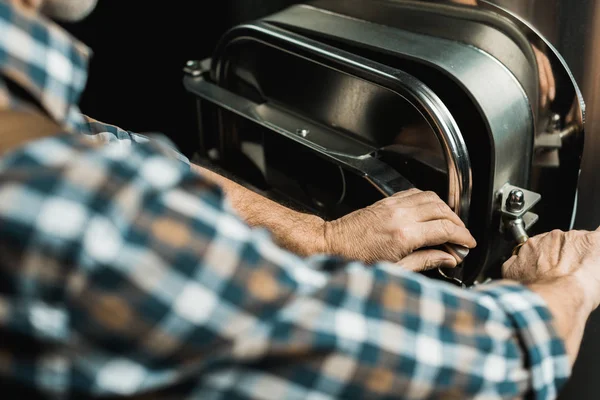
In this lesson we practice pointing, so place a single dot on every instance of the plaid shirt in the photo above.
(124, 273)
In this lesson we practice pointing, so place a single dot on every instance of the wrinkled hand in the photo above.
(395, 227)
(555, 255)
(564, 269)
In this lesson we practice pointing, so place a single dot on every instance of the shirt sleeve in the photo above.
(543, 351)
(169, 293)
(115, 136)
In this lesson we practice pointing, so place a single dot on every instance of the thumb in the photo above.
(424, 260)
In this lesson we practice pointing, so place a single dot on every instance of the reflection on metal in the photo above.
(565, 36)
(428, 109)
(516, 200)
(303, 132)
(193, 68)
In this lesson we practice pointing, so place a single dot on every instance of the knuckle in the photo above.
(441, 209)
(556, 237)
(530, 247)
(590, 240)
(431, 196)
(556, 233)
(574, 236)
(405, 192)
(388, 202)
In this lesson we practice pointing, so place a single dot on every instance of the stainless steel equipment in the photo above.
(329, 106)
(573, 27)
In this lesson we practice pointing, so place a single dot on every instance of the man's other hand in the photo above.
(554, 255)
(395, 227)
(564, 269)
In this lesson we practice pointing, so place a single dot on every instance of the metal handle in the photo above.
(356, 157)
(389, 182)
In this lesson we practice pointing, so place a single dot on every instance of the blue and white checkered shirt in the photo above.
(122, 273)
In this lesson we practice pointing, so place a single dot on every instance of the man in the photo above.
(123, 272)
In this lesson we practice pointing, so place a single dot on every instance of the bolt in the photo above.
(515, 200)
(302, 132)
(192, 64)
(193, 68)
(554, 124)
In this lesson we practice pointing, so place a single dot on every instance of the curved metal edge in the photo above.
(380, 175)
(500, 24)
(418, 94)
(530, 30)
(452, 59)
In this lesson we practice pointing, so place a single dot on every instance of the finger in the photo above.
(434, 233)
(427, 259)
(434, 211)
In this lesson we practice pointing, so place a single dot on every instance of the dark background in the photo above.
(140, 48)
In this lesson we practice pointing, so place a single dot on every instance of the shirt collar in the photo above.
(43, 59)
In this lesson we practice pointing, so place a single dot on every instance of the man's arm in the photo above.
(166, 288)
(563, 268)
(303, 234)
(389, 230)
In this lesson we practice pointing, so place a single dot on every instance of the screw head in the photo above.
(554, 124)
(192, 64)
(515, 200)
(193, 68)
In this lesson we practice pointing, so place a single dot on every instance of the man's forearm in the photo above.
(300, 233)
(569, 309)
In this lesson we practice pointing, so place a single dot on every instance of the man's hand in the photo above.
(555, 255)
(564, 269)
(395, 227)
(389, 230)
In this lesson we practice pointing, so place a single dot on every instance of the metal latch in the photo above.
(515, 211)
(548, 144)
